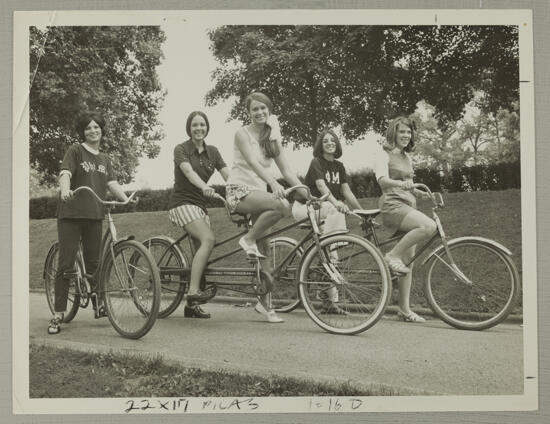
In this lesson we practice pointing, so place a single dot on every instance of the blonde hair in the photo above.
(391, 133)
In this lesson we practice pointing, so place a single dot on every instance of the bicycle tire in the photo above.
(364, 292)
(284, 294)
(491, 297)
(172, 286)
(130, 288)
(48, 276)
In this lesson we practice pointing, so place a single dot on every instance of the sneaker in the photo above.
(195, 312)
(54, 327)
(410, 317)
(270, 315)
(330, 308)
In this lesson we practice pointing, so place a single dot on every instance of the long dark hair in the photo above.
(269, 148)
(391, 133)
(318, 148)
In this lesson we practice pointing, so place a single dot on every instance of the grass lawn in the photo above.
(495, 215)
(56, 373)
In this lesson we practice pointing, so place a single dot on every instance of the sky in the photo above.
(185, 75)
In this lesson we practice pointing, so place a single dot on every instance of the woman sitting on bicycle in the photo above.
(394, 173)
(194, 164)
(328, 175)
(83, 165)
(256, 147)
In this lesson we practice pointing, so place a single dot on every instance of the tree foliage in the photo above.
(358, 77)
(108, 69)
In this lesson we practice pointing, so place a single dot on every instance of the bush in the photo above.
(498, 176)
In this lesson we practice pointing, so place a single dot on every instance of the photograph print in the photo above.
(326, 212)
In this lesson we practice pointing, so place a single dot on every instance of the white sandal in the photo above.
(410, 317)
(250, 249)
(396, 265)
(270, 315)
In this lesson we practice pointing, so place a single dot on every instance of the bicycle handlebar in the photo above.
(436, 197)
(105, 202)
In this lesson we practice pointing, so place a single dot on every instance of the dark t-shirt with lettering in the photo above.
(87, 169)
(204, 164)
(332, 172)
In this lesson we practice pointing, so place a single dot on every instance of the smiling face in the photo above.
(199, 128)
(259, 112)
(403, 136)
(92, 133)
(329, 144)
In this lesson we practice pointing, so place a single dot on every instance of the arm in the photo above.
(288, 174)
(65, 186)
(323, 189)
(383, 178)
(225, 173)
(116, 190)
(350, 197)
(194, 178)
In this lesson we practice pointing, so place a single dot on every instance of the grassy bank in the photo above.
(56, 373)
(495, 215)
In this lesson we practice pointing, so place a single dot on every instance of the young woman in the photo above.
(194, 164)
(82, 218)
(394, 172)
(256, 147)
(328, 175)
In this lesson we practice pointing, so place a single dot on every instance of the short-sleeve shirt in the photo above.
(86, 167)
(203, 163)
(396, 166)
(332, 173)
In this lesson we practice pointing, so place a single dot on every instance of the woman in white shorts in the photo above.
(256, 147)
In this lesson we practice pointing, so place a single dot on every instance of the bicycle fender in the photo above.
(283, 238)
(126, 238)
(333, 233)
(467, 238)
(172, 243)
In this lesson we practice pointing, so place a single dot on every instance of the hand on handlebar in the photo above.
(407, 185)
(209, 192)
(66, 195)
(423, 194)
(341, 207)
(277, 190)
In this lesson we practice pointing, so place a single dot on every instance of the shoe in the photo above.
(54, 327)
(396, 265)
(271, 316)
(100, 312)
(330, 308)
(410, 317)
(198, 298)
(250, 249)
(195, 312)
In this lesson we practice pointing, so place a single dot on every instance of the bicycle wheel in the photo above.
(352, 296)
(131, 289)
(489, 298)
(50, 271)
(172, 287)
(284, 294)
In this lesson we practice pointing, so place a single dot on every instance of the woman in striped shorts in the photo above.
(194, 164)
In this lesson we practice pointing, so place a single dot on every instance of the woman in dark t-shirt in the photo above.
(194, 164)
(328, 175)
(81, 219)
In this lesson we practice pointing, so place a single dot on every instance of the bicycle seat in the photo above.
(307, 225)
(366, 213)
(239, 218)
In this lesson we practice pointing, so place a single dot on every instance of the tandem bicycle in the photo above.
(317, 263)
(128, 282)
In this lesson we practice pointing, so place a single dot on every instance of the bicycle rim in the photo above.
(352, 296)
(172, 287)
(284, 294)
(483, 304)
(131, 289)
(50, 271)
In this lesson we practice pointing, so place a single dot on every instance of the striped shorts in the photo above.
(184, 214)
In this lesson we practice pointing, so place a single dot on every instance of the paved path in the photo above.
(430, 358)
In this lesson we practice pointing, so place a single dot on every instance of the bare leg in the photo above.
(418, 227)
(202, 235)
(405, 284)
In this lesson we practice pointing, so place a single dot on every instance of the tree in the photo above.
(109, 69)
(358, 77)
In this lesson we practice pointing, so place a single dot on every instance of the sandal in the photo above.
(396, 265)
(270, 315)
(54, 327)
(410, 317)
(250, 249)
(100, 312)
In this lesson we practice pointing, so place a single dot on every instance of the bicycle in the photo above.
(359, 273)
(471, 283)
(128, 282)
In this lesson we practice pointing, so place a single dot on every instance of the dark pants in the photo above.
(70, 231)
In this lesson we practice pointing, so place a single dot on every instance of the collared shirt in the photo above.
(203, 163)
